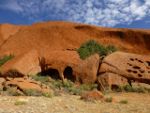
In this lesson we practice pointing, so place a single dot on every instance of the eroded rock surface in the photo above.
(19, 66)
(25, 86)
(133, 67)
(86, 71)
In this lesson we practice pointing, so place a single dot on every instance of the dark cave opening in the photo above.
(53, 73)
(68, 74)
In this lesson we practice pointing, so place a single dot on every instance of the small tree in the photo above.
(92, 47)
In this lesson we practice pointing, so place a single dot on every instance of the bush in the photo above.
(109, 99)
(92, 47)
(123, 102)
(5, 59)
(42, 79)
(32, 92)
(128, 88)
(48, 95)
(111, 49)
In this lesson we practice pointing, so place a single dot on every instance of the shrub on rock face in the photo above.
(111, 49)
(5, 59)
(92, 47)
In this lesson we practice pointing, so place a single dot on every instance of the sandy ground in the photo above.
(137, 103)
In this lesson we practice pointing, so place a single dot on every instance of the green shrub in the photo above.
(91, 47)
(32, 92)
(111, 49)
(123, 102)
(108, 99)
(128, 88)
(48, 95)
(5, 59)
(42, 79)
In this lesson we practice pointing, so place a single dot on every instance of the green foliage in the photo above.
(92, 47)
(128, 88)
(77, 90)
(108, 99)
(48, 95)
(32, 92)
(17, 103)
(123, 102)
(111, 49)
(42, 79)
(5, 59)
(67, 85)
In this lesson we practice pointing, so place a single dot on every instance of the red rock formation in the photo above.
(133, 67)
(25, 64)
(49, 36)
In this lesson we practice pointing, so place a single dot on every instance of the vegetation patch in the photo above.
(123, 102)
(91, 47)
(66, 86)
(128, 88)
(6, 58)
(19, 102)
(48, 95)
(32, 92)
(108, 99)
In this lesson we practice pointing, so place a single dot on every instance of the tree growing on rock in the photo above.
(91, 47)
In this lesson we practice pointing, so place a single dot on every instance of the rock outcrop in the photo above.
(19, 66)
(108, 81)
(24, 86)
(49, 48)
(86, 71)
(61, 62)
(133, 67)
(67, 64)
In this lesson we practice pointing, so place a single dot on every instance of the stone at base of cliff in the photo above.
(131, 66)
(112, 81)
(25, 86)
(92, 95)
(86, 71)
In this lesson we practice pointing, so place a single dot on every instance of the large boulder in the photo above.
(86, 71)
(19, 66)
(26, 86)
(133, 67)
(107, 81)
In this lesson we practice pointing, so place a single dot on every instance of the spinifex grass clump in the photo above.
(6, 58)
(91, 47)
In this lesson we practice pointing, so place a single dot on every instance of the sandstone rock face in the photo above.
(131, 66)
(6, 31)
(61, 62)
(24, 84)
(19, 66)
(112, 81)
(70, 66)
(86, 71)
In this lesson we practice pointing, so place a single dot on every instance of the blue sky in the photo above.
(109, 13)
